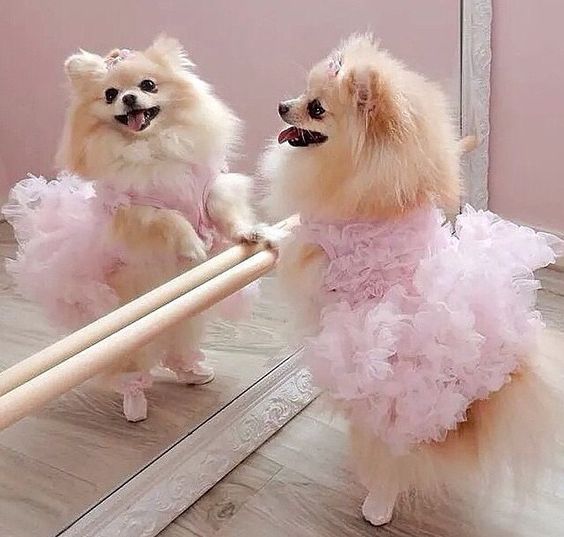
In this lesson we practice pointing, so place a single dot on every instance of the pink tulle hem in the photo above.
(420, 321)
(61, 261)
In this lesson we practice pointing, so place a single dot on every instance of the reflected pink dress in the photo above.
(61, 225)
(419, 319)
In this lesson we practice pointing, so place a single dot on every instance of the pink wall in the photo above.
(254, 52)
(526, 180)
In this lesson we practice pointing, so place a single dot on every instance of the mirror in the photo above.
(68, 467)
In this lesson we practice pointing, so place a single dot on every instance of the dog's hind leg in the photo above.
(131, 386)
(378, 507)
(184, 356)
(130, 377)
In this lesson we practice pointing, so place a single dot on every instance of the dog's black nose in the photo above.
(283, 109)
(129, 99)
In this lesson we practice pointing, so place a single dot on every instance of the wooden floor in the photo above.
(57, 464)
(299, 484)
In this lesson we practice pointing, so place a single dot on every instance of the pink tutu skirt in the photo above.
(65, 253)
(420, 319)
(62, 258)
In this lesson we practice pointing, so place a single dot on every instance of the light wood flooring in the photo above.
(299, 484)
(56, 464)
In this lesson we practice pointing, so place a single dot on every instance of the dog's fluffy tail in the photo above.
(510, 442)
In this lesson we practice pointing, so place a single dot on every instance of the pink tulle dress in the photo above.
(420, 319)
(61, 225)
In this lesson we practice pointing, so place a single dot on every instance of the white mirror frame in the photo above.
(476, 61)
(162, 490)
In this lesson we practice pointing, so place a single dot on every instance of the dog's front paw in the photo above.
(192, 249)
(261, 233)
(183, 238)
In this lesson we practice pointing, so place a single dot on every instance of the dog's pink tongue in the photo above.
(288, 134)
(135, 120)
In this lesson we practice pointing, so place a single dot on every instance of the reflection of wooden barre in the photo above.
(117, 319)
(33, 394)
(114, 321)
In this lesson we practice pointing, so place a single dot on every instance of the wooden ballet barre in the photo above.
(35, 393)
(83, 338)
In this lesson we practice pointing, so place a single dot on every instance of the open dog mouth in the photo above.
(297, 137)
(139, 119)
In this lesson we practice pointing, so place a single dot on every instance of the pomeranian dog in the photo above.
(423, 334)
(144, 196)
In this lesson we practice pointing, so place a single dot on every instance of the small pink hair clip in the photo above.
(117, 55)
(335, 64)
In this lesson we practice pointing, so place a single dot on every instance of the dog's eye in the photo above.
(111, 94)
(148, 85)
(315, 109)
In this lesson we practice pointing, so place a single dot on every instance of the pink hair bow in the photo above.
(335, 64)
(116, 56)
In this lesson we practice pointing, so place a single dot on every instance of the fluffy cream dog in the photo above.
(422, 335)
(153, 141)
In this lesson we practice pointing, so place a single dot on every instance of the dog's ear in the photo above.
(169, 52)
(364, 87)
(84, 67)
(384, 109)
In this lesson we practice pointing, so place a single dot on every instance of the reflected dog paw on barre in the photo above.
(270, 236)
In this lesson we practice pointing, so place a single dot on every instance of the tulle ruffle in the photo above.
(419, 321)
(62, 260)
(64, 255)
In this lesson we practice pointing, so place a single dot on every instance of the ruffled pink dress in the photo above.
(61, 225)
(419, 319)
